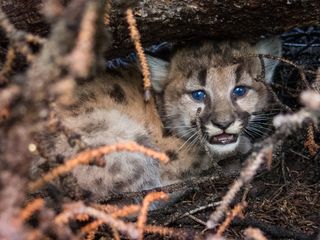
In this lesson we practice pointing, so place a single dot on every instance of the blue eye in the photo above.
(198, 95)
(239, 91)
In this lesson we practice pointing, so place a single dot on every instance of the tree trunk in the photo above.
(177, 20)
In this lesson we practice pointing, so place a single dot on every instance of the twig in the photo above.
(151, 197)
(236, 211)
(18, 35)
(261, 79)
(196, 210)
(283, 170)
(246, 175)
(91, 227)
(7, 97)
(115, 233)
(135, 36)
(7, 67)
(91, 235)
(82, 57)
(88, 156)
(32, 207)
(117, 212)
(301, 69)
(82, 217)
(126, 211)
(80, 208)
(19, 39)
(106, 16)
(310, 143)
(197, 220)
(165, 231)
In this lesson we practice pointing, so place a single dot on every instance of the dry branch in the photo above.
(236, 211)
(31, 208)
(154, 196)
(80, 208)
(88, 156)
(135, 36)
(246, 175)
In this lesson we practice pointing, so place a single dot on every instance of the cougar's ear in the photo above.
(159, 70)
(273, 47)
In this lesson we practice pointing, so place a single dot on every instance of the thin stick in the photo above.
(246, 176)
(80, 208)
(197, 220)
(261, 79)
(88, 156)
(302, 71)
(193, 211)
(7, 67)
(135, 36)
(237, 210)
(310, 143)
(165, 231)
(32, 207)
(142, 219)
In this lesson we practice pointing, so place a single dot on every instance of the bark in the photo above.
(177, 20)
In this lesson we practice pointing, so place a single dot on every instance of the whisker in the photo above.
(184, 134)
(260, 125)
(247, 131)
(175, 127)
(192, 144)
(186, 142)
(255, 132)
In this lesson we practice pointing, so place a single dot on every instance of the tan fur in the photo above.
(111, 109)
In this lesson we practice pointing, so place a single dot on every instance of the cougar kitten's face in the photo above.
(220, 80)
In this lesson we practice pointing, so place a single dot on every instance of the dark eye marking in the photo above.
(238, 73)
(189, 74)
(202, 76)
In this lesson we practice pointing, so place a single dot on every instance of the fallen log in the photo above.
(181, 20)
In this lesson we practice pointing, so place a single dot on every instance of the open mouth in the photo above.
(223, 138)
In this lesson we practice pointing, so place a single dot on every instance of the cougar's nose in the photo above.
(223, 125)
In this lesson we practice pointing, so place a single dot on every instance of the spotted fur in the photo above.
(111, 109)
